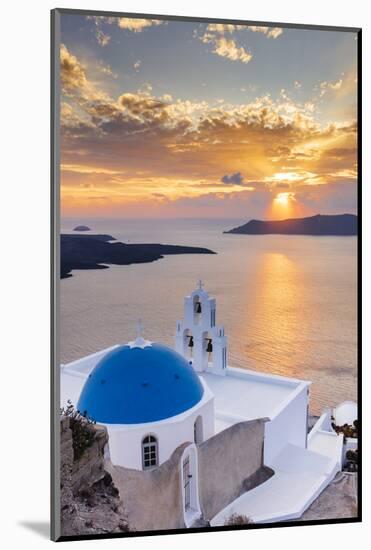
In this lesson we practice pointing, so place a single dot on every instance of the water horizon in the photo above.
(288, 302)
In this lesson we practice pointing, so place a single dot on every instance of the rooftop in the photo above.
(240, 395)
(246, 395)
(139, 382)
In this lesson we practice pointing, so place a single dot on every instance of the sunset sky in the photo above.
(187, 119)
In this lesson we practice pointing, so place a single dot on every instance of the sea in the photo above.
(288, 303)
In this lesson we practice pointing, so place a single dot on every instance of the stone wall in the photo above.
(228, 462)
(153, 499)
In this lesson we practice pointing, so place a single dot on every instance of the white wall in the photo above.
(125, 441)
(289, 426)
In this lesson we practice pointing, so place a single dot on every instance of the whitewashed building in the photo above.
(153, 398)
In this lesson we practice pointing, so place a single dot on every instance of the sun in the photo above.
(284, 205)
(283, 198)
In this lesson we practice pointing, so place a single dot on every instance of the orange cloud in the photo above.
(139, 148)
(72, 71)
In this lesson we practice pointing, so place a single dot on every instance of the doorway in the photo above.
(189, 475)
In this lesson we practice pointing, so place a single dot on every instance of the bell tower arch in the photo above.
(198, 338)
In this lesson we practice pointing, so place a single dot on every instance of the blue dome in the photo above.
(135, 385)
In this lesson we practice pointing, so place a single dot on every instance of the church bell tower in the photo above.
(198, 338)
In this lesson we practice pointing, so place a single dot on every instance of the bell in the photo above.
(190, 343)
(209, 348)
(198, 307)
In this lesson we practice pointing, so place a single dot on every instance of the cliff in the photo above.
(93, 251)
(90, 502)
(341, 225)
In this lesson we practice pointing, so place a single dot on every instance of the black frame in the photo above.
(55, 257)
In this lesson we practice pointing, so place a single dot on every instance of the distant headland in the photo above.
(82, 228)
(92, 251)
(341, 225)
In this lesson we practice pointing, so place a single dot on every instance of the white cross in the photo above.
(200, 284)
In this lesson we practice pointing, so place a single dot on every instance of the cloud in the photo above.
(235, 178)
(185, 135)
(107, 70)
(141, 105)
(282, 185)
(326, 86)
(229, 49)
(74, 81)
(66, 109)
(126, 23)
(336, 198)
(285, 197)
(270, 32)
(73, 122)
(102, 38)
(226, 47)
(146, 89)
(335, 85)
(275, 32)
(81, 169)
(136, 144)
(221, 28)
(137, 25)
(72, 71)
(137, 65)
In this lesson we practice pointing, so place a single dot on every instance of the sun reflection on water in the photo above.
(274, 316)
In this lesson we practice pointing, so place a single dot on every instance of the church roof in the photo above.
(138, 384)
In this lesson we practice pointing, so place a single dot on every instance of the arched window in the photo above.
(197, 309)
(149, 452)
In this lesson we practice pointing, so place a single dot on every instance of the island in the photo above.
(96, 251)
(82, 228)
(331, 225)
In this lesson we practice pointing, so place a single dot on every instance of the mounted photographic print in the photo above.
(205, 353)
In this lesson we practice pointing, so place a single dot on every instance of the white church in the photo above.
(153, 398)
